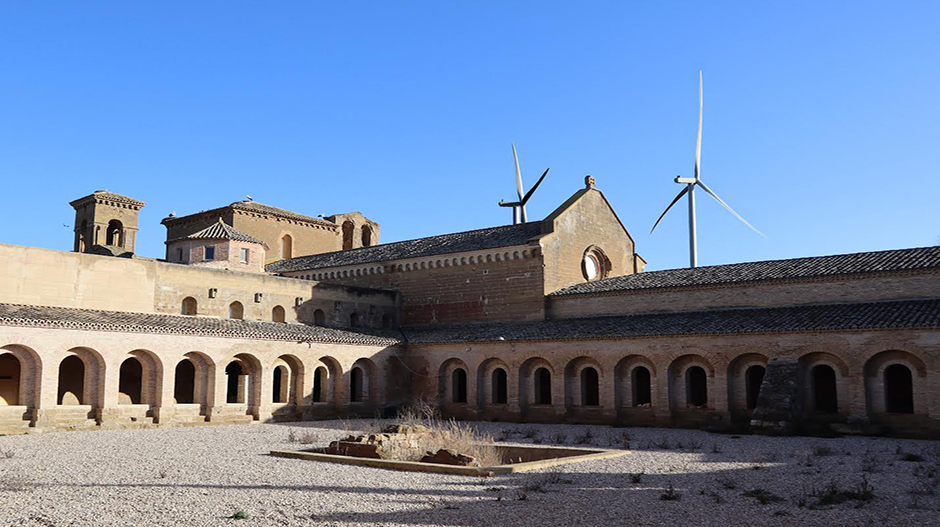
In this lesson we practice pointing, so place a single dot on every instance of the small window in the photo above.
(591, 267)
(594, 264)
(179, 255)
(210, 253)
(244, 256)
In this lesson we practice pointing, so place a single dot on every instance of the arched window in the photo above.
(280, 385)
(83, 236)
(348, 230)
(236, 385)
(825, 393)
(277, 314)
(696, 387)
(899, 389)
(9, 380)
(184, 388)
(543, 386)
(318, 375)
(71, 381)
(642, 387)
(319, 317)
(287, 246)
(236, 310)
(459, 385)
(500, 386)
(354, 321)
(753, 377)
(355, 385)
(129, 381)
(366, 236)
(590, 391)
(594, 264)
(114, 235)
(189, 306)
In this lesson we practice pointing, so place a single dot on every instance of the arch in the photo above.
(499, 386)
(535, 383)
(452, 382)
(80, 372)
(197, 389)
(366, 236)
(633, 382)
(277, 314)
(689, 380)
(130, 381)
(590, 389)
(582, 389)
(745, 376)
(543, 386)
(356, 380)
(641, 387)
(354, 320)
(362, 382)
(824, 373)
(243, 382)
(348, 229)
(459, 386)
(332, 390)
(893, 381)
(287, 247)
(10, 377)
(184, 382)
(288, 380)
(236, 310)
(899, 389)
(189, 306)
(319, 318)
(114, 235)
(492, 387)
(319, 380)
(26, 375)
(281, 384)
(753, 378)
(83, 236)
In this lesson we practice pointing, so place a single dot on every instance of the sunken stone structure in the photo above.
(258, 313)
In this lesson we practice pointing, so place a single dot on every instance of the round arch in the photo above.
(634, 387)
(24, 388)
(690, 383)
(894, 382)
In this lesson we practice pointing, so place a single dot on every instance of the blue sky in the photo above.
(821, 127)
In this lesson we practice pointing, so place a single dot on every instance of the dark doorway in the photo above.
(318, 385)
(642, 387)
(234, 373)
(825, 396)
(459, 386)
(753, 377)
(129, 381)
(500, 386)
(590, 391)
(71, 381)
(184, 389)
(355, 385)
(696, 386)
(899, 389)
(543, 386)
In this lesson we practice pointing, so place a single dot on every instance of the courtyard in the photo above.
(220, 475)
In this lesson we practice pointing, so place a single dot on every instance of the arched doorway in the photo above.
(543, 386)
(114, 235)
(366, 236)
(825, 391)
(287, 246)
(319, 318)
(899, 389)
(696, 387)
(281, 384)
(71, 389)
(319, 376)
(590, 391)
(753, 378)
(354, 321)
(130, 380)
(189, 306)
(500, 386)
(184, 382)
(10, 371)
(459, 385)
(236, 310)
(277, 314)
(236, 383)
(356, 380)
(642, 386)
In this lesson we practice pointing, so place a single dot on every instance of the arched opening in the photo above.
(83, 234)
(114, 235)
(590, 391)
(753, 378)
(236, 310)
(899, 389)
(543, 386)
(9, 380)
(318, 378)
(287, 246)
(188, 306)
(348, 229)
(642, 386)
(281, 384)
(356, 385)
(130, 381)
(696, 387)
(184, 383)
(500, 386)
(354, 320)
(277, 314)
(459, 385)
(71, 381)
(825, 393)
(366, 236)
(236, 383)
(319, 317)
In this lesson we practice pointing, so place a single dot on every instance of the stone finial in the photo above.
(589, 181)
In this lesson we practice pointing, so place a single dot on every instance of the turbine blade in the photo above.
(682, 193)
(698, 138)
(515, 158)
(532, 190)
(725, 205)
(522, 215)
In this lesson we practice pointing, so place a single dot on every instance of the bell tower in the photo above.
(108, 219)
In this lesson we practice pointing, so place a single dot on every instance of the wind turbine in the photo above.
(691, 183)
(518, 207)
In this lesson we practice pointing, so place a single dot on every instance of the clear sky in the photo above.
(821, 127)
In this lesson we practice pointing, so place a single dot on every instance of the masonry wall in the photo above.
(863, 288)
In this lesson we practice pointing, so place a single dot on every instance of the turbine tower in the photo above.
(691, 183)
(518, 207)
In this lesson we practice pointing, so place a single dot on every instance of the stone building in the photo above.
(259, 313)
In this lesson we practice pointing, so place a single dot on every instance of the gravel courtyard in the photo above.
(204, 475)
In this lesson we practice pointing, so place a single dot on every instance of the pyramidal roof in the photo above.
(221, 231)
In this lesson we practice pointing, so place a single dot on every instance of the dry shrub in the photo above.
(441, 434)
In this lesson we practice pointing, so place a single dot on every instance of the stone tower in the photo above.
(106, 219)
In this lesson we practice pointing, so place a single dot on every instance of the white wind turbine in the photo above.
(518, 207)
(691, 183)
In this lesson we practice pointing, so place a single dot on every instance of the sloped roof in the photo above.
(126, 322)
(104, 194)
(491, 238)
(221, 231)
(919, 258)
(253, 206)
(908, 314)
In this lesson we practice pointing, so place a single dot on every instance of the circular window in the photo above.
(594, 264)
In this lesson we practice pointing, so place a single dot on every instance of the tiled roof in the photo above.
(221, 231)
(119, 321)
(828, 317)
(254, 206)
(796, 268)
(504, 236)
(104, 194)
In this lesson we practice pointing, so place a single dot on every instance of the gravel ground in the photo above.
(204, 475)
